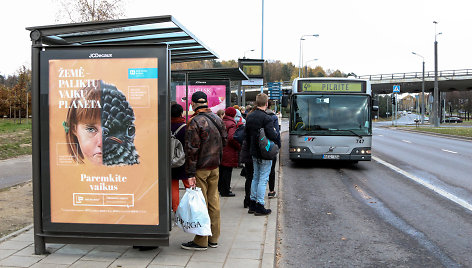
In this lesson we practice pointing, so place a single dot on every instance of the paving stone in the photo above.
(90, 264)
(238, 253)
(24, 237)
(28, 251)
(247, 245)
(238, 263)
(209, 256)
(19, 261)
(56, 258)
(168, 259)
(163, 266)
(99, 255)
(113, 248)
(6, 252)
(131, 262)
(268, 260)
(18, 245)
(49, 265)
(202, 264)
(75, 249)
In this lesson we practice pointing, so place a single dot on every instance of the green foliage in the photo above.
(457, 131)
(15, 139)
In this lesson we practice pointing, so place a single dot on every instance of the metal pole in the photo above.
(238, 102)
(186, 98)
(387, 107)
(262, 43)
(393, 106)
(436, 89)
(300, 58)
(422, 98)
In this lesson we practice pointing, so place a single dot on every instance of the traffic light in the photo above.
(393, 99)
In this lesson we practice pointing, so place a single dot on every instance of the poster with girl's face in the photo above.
(103, 141)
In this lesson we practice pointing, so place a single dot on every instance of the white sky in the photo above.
(363, 36)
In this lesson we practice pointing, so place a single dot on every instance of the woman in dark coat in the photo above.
(230, 154)
(177, 173)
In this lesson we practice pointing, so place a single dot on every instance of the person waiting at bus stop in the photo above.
(255, 121)
(204, 141)
(275, 122)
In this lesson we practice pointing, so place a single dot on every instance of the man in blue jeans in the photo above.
(256, 120)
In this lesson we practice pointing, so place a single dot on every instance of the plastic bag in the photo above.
(192, 213)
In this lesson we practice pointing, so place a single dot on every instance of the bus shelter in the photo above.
(101, 129)
(215, 82)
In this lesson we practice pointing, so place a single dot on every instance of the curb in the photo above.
(269, 252)
(8, 236)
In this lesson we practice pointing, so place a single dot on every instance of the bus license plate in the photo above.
(331, 156)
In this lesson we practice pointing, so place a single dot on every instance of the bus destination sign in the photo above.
(332, 86)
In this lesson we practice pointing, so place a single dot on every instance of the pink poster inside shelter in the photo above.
(216, 95)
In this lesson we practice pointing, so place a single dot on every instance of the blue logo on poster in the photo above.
(142, 73)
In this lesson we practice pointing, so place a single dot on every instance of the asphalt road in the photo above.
(14, 171)
(368, 215)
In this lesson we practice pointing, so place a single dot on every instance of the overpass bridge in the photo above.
(448, 80)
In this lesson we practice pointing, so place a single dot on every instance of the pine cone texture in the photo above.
(118, 128)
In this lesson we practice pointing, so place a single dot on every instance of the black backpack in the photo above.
(240, 134)
(267, 148)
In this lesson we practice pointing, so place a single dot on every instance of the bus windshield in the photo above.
(325, 114)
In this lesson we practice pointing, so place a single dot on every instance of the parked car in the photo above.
(453, 120)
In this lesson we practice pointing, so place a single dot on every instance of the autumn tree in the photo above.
(19, 92)
(89, 10)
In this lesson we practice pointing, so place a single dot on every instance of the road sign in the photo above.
(396, 89)
(275, 90)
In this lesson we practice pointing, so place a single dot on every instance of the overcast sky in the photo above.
(364, 36)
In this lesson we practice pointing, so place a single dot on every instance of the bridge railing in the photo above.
(428, 74)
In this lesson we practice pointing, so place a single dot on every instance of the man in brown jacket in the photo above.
(204, 141)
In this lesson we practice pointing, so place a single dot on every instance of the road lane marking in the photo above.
(406, 141)
(447, 151)
(426, 184)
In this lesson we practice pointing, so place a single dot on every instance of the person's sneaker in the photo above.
(192, 246)
(212, 245)
(252, 207)
(261, 211)
(272, 194)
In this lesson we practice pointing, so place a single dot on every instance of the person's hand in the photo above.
(192, 182)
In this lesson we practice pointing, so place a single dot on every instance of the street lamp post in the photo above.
(301, 57)
(436, 88)
(306, 66)
(422, 90)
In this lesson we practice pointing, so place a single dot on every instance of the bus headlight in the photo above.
(299, 150)
(361, 151)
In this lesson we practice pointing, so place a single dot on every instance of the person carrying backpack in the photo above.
(255, 121)
(178, 128)
(275, 121)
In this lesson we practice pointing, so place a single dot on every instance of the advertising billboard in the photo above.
(102, 138)
(216, 91)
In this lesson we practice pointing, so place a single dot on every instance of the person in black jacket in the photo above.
(255, 121)
(275, 121)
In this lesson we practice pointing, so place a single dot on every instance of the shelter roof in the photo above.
(233, 74)
(182, 44)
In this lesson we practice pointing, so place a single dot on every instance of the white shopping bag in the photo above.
(192, 213)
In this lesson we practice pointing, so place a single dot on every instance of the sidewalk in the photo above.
(246, 241)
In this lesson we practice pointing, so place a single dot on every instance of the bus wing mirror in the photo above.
(285, 101)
